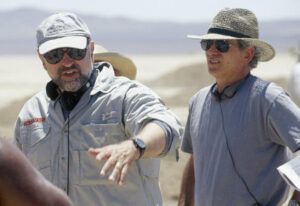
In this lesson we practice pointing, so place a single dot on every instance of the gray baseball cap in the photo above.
(62, 30)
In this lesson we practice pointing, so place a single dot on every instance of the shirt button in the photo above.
(63, 158)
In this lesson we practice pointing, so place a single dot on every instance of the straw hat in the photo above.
(122, 65)
(240, 24)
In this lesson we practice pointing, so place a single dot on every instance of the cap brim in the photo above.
(78, 42)
(267, 51)
(123, 65)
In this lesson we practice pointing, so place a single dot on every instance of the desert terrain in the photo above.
(174, 77)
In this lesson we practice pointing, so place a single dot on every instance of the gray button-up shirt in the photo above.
(113, 110)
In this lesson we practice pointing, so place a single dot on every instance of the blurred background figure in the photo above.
(22, 184)
(123, 66)
(294, 78)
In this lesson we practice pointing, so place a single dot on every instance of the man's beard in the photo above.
(71, 85)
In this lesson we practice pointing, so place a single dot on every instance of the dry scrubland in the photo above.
(175, 84)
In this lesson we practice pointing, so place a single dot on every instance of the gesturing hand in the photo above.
(118, 157)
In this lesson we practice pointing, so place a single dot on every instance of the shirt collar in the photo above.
(105, 81)
(229, 91)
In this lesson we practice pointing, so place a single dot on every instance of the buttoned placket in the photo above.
(65, 158)
(63, 180)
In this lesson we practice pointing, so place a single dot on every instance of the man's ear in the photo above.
(92, 46)
(249, 54)
(92, 49)
(42, 60)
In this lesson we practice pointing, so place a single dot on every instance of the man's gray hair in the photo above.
(244, 44)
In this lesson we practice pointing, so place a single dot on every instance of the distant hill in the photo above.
(132, 36)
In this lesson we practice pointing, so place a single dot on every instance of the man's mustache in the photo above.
(63, 68)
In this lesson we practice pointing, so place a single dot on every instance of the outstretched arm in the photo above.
(21, 184)
(121, 156)
(186, 197)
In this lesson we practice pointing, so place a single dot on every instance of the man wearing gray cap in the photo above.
(240, 129)
(89, 128)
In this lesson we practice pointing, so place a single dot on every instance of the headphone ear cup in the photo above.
(215, 94)
(52, 90)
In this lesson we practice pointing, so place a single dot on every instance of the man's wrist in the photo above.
(140, 145)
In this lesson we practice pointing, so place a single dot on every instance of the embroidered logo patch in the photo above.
(29, 122)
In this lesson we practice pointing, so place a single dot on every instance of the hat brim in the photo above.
(77, 42)
(266, 50)
(121, 64)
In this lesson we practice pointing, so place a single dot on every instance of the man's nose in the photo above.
(212, 48)
(66, 60)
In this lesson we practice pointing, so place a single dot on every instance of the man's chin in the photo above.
(72, 87)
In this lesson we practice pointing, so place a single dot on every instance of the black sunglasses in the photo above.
(56, 55)
(221, 45)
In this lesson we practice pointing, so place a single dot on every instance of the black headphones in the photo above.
(215, 94)
(226, 93)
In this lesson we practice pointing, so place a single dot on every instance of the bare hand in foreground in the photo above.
(118, 157)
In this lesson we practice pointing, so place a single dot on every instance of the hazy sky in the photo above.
(171, 10)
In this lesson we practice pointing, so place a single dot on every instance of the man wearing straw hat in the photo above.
(90, 129)
(122, 65)
(240, 129)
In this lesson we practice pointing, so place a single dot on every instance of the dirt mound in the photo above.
(187, 80)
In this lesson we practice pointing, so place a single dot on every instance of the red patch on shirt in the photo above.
(29, 122)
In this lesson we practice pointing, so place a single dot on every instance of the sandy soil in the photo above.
(174, 78)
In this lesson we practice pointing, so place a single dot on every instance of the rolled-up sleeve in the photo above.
(187, 139)
(285, 128)
(142, 105)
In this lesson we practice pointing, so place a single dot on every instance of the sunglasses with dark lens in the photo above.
(221, 45)
(56, 55)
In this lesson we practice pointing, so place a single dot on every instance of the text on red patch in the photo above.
(42, 119)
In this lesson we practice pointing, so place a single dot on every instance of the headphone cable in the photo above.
(68, 158)
(232, 160)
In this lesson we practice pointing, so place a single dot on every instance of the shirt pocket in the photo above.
(34, 146)
(95, 136)
(30, 135)
(32, 138)
(89, 169)
(103, 134)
